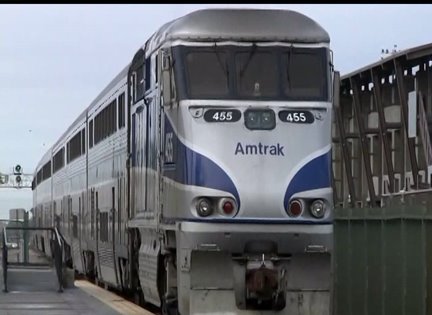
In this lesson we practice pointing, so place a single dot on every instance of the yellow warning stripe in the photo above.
(116, 302)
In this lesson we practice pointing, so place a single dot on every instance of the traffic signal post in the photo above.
(16, 179)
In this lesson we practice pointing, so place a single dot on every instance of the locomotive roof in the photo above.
(243, 25)
(226, 24)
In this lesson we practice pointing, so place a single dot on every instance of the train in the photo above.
(199, 179)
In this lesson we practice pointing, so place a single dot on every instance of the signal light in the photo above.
(17, 170)
(295, 208)
(227, 206)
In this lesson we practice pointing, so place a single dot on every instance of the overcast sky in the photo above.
(55, 59)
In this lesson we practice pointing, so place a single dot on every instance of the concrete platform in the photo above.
(84, 299)
(116, 302)
(33, 291)
(70, 302)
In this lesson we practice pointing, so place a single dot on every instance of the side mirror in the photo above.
(336, 88)
(166, 62)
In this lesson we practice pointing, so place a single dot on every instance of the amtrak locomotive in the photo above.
(199, 179)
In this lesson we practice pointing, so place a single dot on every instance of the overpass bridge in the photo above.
(382, 167)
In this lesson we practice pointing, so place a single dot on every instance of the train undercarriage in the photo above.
(241, 269)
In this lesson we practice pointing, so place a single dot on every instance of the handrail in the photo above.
(4, 259)
(57, 252)
(409, 192)
(58, 259)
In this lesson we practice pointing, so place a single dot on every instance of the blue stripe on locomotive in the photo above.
(313, 175)
(192, 168)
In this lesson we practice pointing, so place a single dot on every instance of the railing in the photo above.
(56, 243)
(64, 243)
(419, 197)
(424, 131)
(58, 258)
(4, 259)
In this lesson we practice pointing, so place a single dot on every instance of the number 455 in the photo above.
(296, 117)
(221, 116)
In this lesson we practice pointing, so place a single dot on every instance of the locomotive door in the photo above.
(139, 111)
(119, 211)
(139, 130)
(97, 231)
(80, 228)
(113, 230)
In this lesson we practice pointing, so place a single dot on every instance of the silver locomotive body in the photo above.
(202, 178)
(244, 170)
(271, 175)
(262, 171)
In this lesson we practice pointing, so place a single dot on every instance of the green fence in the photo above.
(382, 261)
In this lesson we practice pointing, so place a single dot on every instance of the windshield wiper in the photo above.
(251, 54)
(288, 68)
(224, 68)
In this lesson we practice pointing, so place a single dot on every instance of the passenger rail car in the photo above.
(200, 177)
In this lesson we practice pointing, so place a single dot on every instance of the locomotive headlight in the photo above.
(318, 209)
(203, 207)
(260, 119)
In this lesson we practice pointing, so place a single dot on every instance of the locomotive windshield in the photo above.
(252, 72)
(207, 74)
(256, 74)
